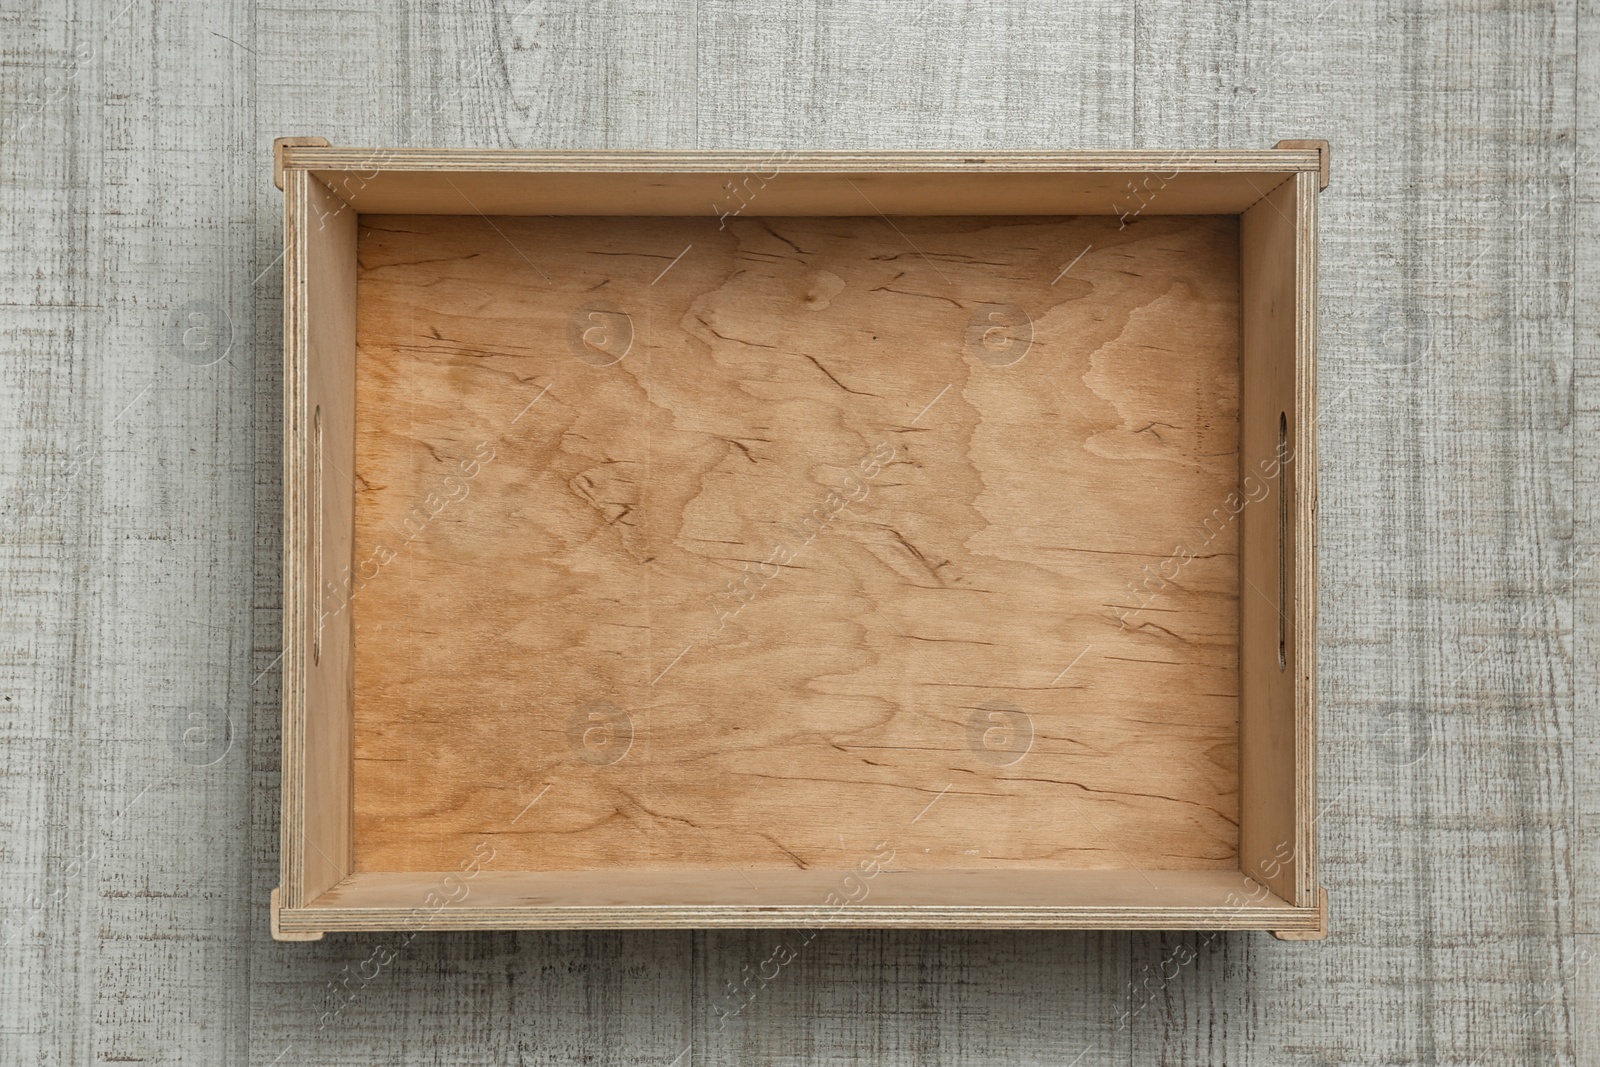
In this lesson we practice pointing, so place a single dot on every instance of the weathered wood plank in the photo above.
(1458, 525)
(1586, 547)
(905, 997)
(1447, 505)
(126, 566)
(915, 74)
(375, 74)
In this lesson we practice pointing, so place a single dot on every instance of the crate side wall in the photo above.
(479, 898)
(775, 190)
(319, 442)
(1276, 509)
(1309, 890)
(1277, 770)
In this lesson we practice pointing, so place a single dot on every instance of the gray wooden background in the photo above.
(140, 298)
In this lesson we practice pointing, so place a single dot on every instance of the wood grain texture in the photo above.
(1277, 502)
(1585, 957)
(1446, 440)
(894, 168)
(907, 997)
(867, 896)
(782, 184)
(319, 455)
(1457, 502)
(804, 548)
(1320, 933)
(126, 506)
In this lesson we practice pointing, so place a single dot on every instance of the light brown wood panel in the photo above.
(319, 494)
(299, 153)
(1277, 574)
(546, 546)
(782, 183)
(775, 186)
(476, 897)
(1306, 522)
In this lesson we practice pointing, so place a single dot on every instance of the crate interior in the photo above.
(657, 558)
(764, 542)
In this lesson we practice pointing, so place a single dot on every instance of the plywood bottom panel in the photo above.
(775, 543)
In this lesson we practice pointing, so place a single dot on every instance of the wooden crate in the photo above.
(681, 539)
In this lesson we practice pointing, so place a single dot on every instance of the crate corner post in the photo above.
(280, 143)
(279, 933)
(1318, 934)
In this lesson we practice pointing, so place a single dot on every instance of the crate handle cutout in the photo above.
(1283, 542)
(316, 537)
